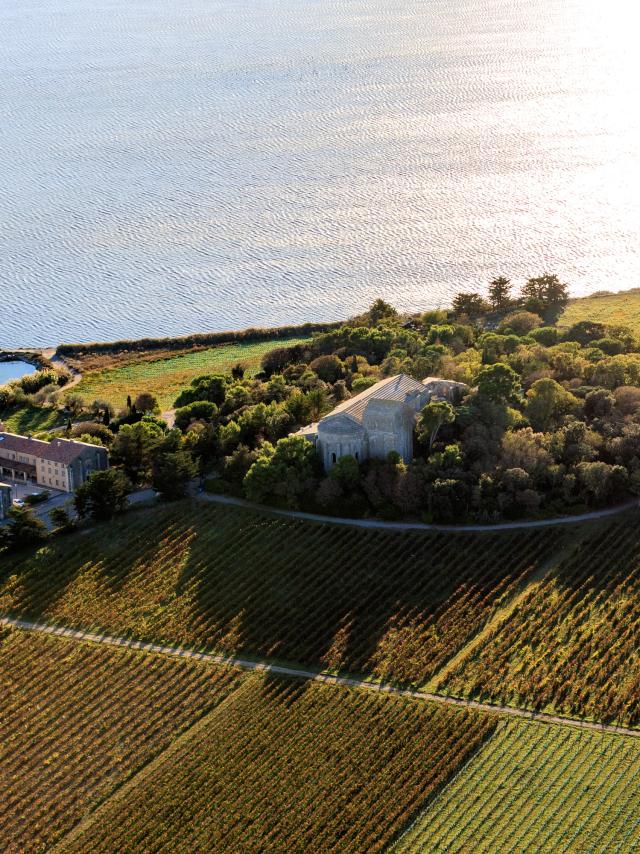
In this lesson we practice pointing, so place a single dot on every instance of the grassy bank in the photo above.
(618, 309)
(166, 377)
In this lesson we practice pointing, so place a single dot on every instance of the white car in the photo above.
(18, 502)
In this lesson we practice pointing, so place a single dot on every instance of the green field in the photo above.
(616, 309)
(31, 419)
(166, 377)
(534, 787)
(396, 605)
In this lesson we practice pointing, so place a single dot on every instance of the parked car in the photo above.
(18, 502)
(37, 497)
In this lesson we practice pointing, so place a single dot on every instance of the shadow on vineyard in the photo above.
(398, 604)
(572, 644)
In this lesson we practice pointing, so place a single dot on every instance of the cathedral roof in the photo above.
(397, 389)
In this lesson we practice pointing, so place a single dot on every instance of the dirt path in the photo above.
(594, 516)
(313, 675)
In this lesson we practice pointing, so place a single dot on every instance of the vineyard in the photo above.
(537, 788)
(398, 605)
(77, 720)
(573, 644)
(293, 767)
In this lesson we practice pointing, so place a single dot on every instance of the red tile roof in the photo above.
(57, 451)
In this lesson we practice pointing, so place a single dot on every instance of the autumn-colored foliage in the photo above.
(572, 644)
(395, 604)
(295, 767)
(76, 720)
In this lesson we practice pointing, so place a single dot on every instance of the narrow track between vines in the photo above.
(313, 675)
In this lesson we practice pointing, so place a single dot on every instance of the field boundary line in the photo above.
(264, 666)
(377, 524)
(139, 776)
(504, 612)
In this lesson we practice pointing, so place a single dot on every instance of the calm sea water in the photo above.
(205, 164)
(14, 370)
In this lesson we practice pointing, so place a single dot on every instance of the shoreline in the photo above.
(190, 339)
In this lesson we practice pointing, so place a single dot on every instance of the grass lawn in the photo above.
(31, 419)
(621, 309)
(166, 377)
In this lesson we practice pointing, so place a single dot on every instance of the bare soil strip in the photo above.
(314, 675)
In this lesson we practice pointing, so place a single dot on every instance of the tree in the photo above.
(172, 472)
(627, 399)
(284, 475)
(134, 448)
(500, 293)
(544, 292)
(196, 411)
(210, 387)
(432, 417)
(74, 403)
(328, 368)
(147, 403)
(599, 403)
(521, 322)
(381, 311)
(601, 482)
(346, 471)
(276, 360)
(24, 529)
(103, 494)
(547, 403)
(471, 305)
(524, 449)
(61, 519)
(449, 501)
(317, 403)
(499, 383)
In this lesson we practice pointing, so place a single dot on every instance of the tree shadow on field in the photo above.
(283, 690)
(326, 596)
(101, 559)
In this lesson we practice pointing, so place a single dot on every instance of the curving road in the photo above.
(593, 516)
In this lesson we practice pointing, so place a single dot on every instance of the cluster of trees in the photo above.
(41, 387)
(550, 422)
(545, 295)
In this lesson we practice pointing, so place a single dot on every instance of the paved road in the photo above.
(313, 675)
(419, 526)
(65, 499)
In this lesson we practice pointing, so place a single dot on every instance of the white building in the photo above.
(377, 421)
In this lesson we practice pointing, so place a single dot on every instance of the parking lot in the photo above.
(20, 489)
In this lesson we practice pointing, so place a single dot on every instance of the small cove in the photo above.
(14, 369)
